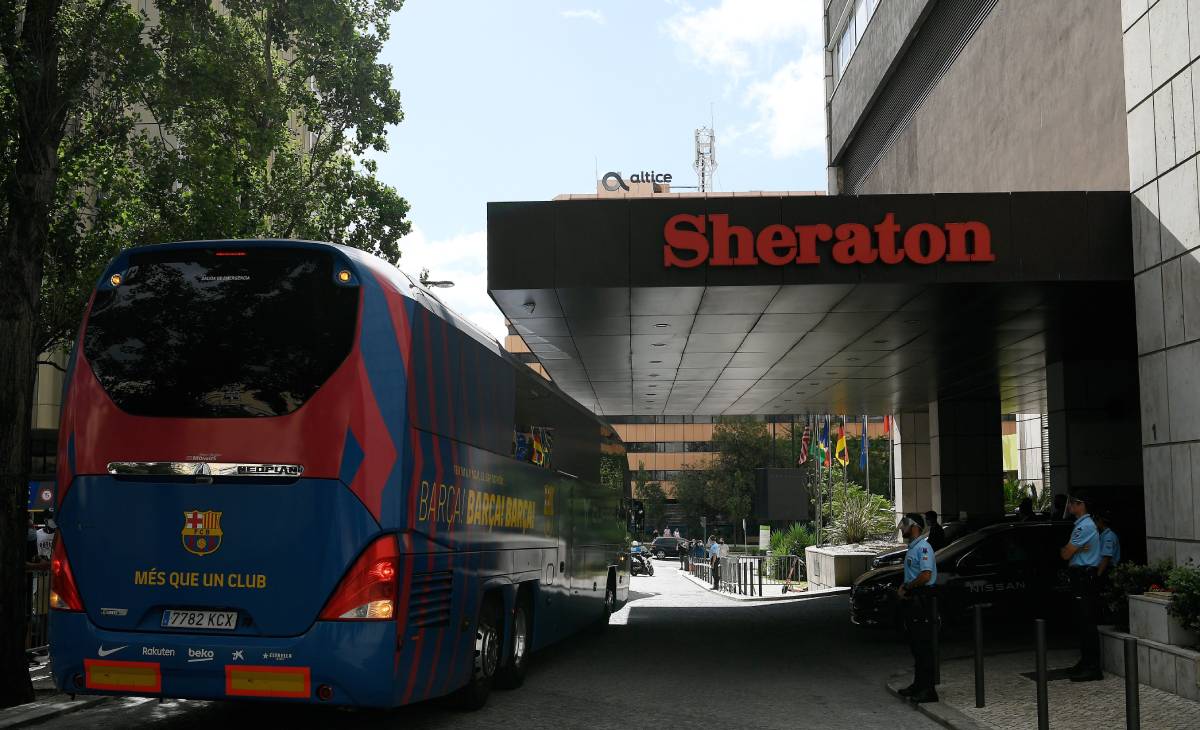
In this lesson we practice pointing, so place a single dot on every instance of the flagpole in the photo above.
(866, 445)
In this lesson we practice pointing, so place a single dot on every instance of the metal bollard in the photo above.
(1043, 707)
(979, 699)
(937, 643)
(760, 570)
(1133, 710)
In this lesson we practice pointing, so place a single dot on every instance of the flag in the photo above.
(804, 442)
(841, 453)
(862, 454)
(826, 443)
(887, 424)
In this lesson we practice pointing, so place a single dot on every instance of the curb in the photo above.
(36, 712)
(767, 599)
(942, 714)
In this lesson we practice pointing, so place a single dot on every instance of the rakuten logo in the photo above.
(695, 240)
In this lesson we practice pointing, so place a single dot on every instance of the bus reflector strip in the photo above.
(139, 677)
(252, 681)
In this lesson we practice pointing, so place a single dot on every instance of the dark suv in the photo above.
(666, 547)
(1011, 567)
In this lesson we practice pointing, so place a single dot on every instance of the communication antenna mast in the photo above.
(706, 158)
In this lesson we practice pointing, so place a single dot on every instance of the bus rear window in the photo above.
(204, 334)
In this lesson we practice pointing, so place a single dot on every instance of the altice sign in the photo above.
(712, 240)
(612, 181)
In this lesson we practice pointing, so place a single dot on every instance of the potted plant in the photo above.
(1131, 579)
(1184, 584)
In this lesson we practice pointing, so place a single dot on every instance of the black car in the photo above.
(666, 547)
(952, 530)
(1012, 567)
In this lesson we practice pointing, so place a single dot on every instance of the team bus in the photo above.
(288, 471)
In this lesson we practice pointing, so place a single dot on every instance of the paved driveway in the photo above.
(677, 656)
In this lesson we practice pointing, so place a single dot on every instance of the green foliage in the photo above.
(743, 445)
(612, 471)
(791, 541)
(691, 494)
(654, 499)
(249, 118)
(1184, 582)
(1131, 579)
(856, 515)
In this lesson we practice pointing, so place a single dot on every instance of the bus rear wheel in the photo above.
(485, 656)
(512, 675)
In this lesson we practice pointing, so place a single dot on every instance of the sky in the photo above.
(528, 99)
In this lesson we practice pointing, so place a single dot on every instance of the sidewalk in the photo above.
(772, 591)
(1011, 699)
(50, 703)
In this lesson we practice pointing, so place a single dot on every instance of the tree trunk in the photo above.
(29, 195)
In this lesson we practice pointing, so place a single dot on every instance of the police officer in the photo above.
(1110, 544)
(920, 576)
(1082, 554)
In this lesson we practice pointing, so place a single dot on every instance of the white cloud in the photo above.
(772, 52)
(463, 260)
(791, 107)
(736, 35)
(593, 15)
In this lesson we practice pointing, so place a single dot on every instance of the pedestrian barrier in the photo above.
(1133, 710)
(37, 638)
(1043, 706)
(979, 698)
(751, 575)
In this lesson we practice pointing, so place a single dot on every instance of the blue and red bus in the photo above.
(289, 472)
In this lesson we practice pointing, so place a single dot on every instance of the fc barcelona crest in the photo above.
(201, 531)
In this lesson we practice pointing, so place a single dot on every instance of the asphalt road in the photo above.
(676, 656)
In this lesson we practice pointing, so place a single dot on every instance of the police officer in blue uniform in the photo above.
(1082, 554)
(920, 576)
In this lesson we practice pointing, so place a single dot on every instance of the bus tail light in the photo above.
(64, 595)
(368, 591)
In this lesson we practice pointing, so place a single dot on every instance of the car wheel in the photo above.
(512, 675)
(485, 657)
(609, 606)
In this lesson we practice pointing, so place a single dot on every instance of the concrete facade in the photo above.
(911, 462)
(965, 460)
(1162, 45)
(1032, 102)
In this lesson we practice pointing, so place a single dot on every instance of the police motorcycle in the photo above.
(639, 560)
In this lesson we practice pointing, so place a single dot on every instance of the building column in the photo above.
(966, 456)
(910, 462)
(1029, 450)
(1161, 76)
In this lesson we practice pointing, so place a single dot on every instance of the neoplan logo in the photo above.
(695, 240)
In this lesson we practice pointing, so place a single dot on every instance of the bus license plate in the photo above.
(220, 620)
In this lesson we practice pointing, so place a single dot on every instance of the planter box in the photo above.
(838, 565)
(1148, 619)
(1162, 666)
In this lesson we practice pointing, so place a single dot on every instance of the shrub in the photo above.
(1184, 582)
(857, 515)
(791, 541)
(1131, 579)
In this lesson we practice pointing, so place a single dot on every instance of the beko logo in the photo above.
(612, 181)
(695, 240)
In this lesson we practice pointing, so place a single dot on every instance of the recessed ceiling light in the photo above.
(661, 324)
(912, 321)
(652, 385)
(658, 344)
(656, 362)
(799, 392)
(852, 359)
(654, 375)
(880, 342)
(831, 372)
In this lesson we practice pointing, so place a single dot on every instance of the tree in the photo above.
(743, 445)
(692, 496)
(248, 121)
(655, 501)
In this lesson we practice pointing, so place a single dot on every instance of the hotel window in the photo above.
(858, 16)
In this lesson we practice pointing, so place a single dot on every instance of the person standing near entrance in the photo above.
(1110, 544)
(714, 559)
(920, 576)
(936, 535)
(1082, 554)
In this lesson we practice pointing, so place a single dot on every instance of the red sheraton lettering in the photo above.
(695, 240)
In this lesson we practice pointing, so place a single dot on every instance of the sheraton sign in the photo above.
(696, 240)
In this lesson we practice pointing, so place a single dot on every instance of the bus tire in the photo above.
(610, 603)
(485, 655)
(512, 674)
